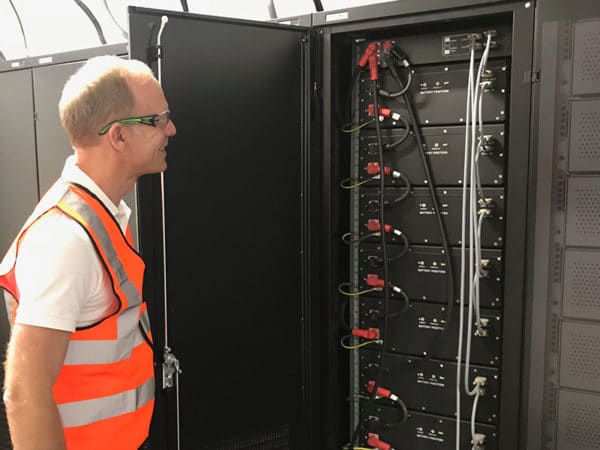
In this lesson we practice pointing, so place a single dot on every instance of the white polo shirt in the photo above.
(62, 284)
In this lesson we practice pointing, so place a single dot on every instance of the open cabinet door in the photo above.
(236, 246)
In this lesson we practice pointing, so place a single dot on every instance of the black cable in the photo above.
(271, 8)
(404, 410)
(436, 206)
(93, 19)
(20, 25)
(402, 138)
(318, 5)
(383, 240)
(385, 266)
(391, 66)
(407, 190)
(348, 238)
(184, 6)
(401, 253)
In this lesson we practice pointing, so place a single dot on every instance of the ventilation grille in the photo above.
(559, 191)
(580, 356)
(591, 57)
(583, 212)
(586, 208)
(582, 284)
(557, 263)
(563, 118)
(554, 322)
(584, 154)
(578, 421)
(273, 439)
(586, 58)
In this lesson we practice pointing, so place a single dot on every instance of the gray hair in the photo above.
(97, 94)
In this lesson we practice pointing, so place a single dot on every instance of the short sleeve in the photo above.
(57, 272)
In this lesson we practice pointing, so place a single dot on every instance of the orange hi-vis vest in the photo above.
(105, 389)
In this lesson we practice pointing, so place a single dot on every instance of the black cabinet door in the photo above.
(235, 239)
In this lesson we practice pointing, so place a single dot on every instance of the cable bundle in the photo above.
(474, 217)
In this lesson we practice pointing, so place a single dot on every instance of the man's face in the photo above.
(146, 148)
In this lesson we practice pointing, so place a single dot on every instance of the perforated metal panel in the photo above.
(578, 421)
(584, 152)
(580, 356)
(583, 212)
(582, 284)
(586, 58)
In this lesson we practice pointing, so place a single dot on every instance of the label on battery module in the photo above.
(457, 44)
(426, 210)
(430, 434)
(433, 324)
(433, 380)
(434, 87)
(433, 267)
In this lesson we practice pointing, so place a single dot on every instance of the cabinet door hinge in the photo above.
(531, 76)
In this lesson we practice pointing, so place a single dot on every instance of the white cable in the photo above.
(463, 248)
(474, 219)
(478, 272)
(163, 23)
(473, 123)
(477, 221)
(473, 416)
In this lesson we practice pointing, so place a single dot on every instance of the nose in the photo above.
(170, 129)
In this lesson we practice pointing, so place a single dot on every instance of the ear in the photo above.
(117, 136)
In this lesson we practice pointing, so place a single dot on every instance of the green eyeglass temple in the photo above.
(146, 120)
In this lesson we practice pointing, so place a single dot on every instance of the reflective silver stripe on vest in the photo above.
(145, 322)
(105, 352)
(76, 414)
(128, 333)
(87, 213)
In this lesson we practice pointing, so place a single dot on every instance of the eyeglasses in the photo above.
(159, 120)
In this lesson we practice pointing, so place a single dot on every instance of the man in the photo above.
(79, 368)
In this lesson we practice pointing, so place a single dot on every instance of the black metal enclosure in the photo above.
(237, 253)
(254, 217)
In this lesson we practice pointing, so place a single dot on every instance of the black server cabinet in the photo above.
(254, 217)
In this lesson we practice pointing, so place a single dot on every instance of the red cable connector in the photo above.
(373, 69)
(370, 50)
(373, 280)
(373, 225)
(385, 112)
(373, 168)
(373, 441)
(382, 392)
(371, 333)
